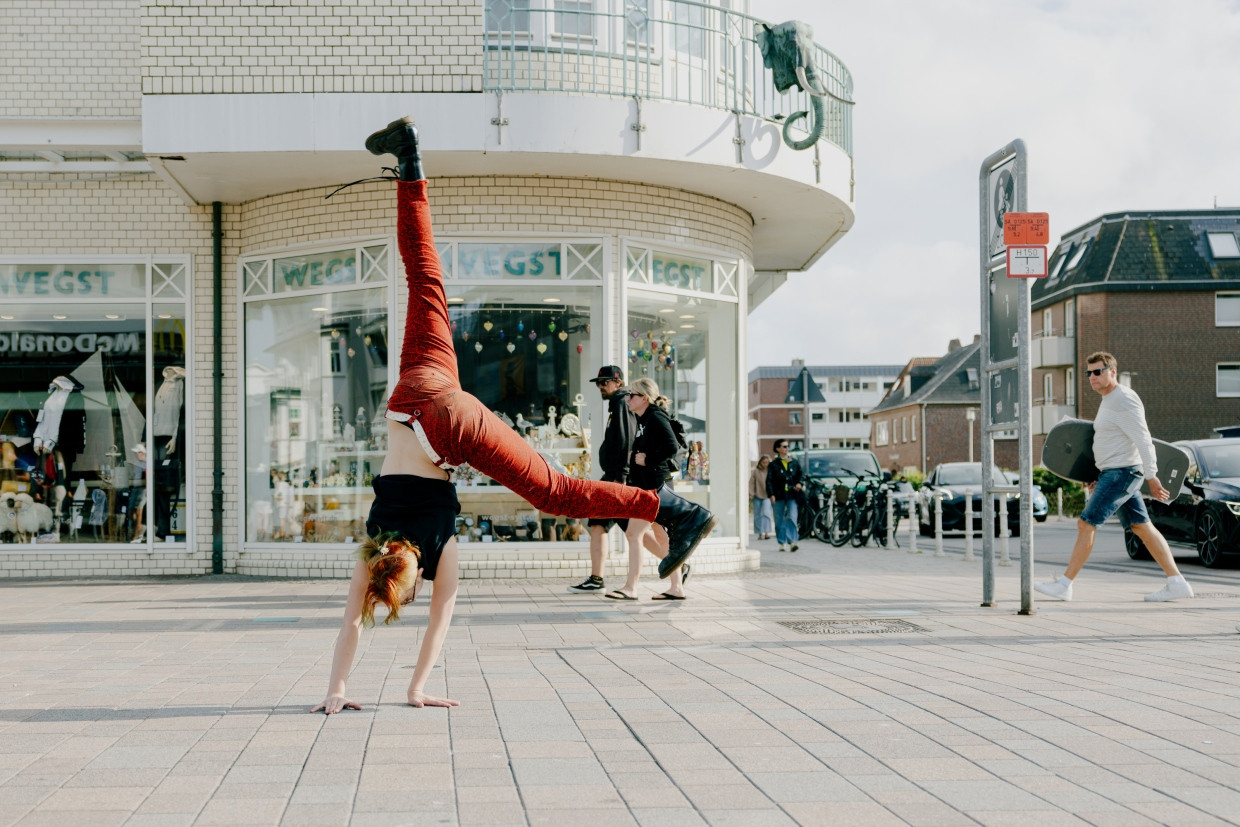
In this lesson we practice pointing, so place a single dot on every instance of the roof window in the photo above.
(1223, 245)
(1078, 255)
(1059, 262)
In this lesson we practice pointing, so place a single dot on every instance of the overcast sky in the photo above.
(1122, 104)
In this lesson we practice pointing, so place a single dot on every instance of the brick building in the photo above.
(169, 253)
(923, 419)
(838, 421)
(1161, 291)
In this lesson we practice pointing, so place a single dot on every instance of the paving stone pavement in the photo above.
(184, 701)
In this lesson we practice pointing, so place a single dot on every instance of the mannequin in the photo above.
(166, 428)
(47, 433)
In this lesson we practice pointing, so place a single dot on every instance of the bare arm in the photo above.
(443, 601)
(346, 645)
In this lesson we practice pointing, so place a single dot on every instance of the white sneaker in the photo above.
(1176, 588)
(783, 547)
(1060, 589)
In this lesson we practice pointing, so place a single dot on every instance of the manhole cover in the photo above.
(1216, 594)
(866, 626)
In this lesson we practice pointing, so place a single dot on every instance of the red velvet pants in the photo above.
(456, 425)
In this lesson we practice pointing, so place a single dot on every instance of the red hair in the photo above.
(393, 562)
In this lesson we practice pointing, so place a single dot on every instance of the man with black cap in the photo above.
(613, 458)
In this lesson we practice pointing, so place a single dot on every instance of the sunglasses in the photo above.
(1096, 371)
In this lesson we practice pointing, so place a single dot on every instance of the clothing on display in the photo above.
(47, 433)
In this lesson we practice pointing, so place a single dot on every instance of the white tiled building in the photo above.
(837, 413)
(609, 186)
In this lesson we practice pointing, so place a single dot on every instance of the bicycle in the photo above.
(873, 519)
(861, 513)
(838, 528)
(815, 503)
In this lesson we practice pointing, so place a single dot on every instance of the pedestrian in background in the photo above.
(783, 485)
(763, 514)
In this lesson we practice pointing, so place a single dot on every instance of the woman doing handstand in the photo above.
(412, 520)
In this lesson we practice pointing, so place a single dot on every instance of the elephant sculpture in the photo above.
(788, 51)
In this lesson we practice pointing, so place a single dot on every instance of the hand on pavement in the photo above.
(335, 703)
(421, 699)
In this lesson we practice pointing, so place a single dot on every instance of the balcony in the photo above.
(1046, 417)
(670, 93)
(1053, 351)
(697, 54)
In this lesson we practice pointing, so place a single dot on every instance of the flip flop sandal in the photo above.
(616, 594)
(667, 596)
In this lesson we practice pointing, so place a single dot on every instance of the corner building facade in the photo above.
(197, 345)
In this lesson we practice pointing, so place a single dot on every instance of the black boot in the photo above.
(687, 524)
(399, 138)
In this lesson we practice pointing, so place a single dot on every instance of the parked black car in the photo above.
(1041, 507)
(952, 482)
(1207, 512)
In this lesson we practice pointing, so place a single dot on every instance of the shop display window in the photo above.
(681, 331)
(529, 356)
(93, 385)
(316, 375)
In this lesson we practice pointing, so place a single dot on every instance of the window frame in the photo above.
(1220, 248)
(1219, 369)
(1219, 296)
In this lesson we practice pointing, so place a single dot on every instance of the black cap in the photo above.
(607, 373)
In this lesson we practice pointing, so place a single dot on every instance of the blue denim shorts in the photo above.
(1117, 489)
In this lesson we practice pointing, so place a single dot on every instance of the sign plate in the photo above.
(1026, 228)
(1026, 262)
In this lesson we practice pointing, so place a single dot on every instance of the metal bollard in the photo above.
(1059, 505)
(1004, 533)
(968, 528)
(914, 521)
(891, 521)
(938, 527)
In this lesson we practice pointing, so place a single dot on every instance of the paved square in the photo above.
(184, 701)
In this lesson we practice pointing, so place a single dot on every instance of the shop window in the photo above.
(94, 430)
(687, 344)
(316, 377)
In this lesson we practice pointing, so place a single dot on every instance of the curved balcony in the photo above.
(695, 54)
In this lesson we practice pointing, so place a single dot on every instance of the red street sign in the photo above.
(1026, 262)
(1026, 228)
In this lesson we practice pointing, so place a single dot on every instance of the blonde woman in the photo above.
(653, 464)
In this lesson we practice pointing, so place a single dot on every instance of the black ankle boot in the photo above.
(687, 524)
(399, 138)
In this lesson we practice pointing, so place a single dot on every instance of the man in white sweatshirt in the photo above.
(1124, 454)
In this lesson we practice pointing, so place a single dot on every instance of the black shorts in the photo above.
(608, 522)
(419, 509)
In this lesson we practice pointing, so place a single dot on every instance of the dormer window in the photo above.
(1078, 255)
(1223, 245)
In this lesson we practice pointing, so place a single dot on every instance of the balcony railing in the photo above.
(677, 51)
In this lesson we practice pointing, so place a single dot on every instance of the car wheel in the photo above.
(1134, 546)
(1041, 519)
(1209, 539)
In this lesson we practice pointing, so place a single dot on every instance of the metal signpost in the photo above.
(1011, 250)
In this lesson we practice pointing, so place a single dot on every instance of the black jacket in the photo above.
(616, 451)
(657, 441)
(781, 482)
